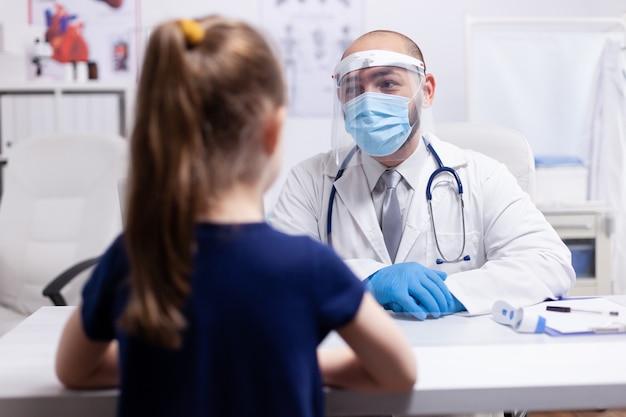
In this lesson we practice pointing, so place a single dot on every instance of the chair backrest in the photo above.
(501, 143)
(59, 206)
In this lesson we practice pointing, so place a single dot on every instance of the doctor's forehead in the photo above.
(385, 41)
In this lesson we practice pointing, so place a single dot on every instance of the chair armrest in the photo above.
(53, 289)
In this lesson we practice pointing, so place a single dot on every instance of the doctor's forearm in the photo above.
(522, 281)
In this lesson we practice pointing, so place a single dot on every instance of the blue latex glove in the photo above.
(456, 306)
(414, 289)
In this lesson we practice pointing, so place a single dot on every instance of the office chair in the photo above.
(498, 142)
(58, 213)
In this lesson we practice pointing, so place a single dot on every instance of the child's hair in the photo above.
(206, 89)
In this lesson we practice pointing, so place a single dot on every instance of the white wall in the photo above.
(438, 26)
(12, 11)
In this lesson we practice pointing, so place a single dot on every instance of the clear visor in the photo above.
(377, 105)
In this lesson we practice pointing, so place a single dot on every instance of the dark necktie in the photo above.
(391, 223)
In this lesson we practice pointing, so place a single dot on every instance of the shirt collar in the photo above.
(409, 169)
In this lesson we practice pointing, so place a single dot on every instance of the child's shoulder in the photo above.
(295, 238)
(115, 256)
(305, 243)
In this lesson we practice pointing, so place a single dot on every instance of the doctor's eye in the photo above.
(387, 85)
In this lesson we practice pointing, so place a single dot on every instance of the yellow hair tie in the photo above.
(194, 33)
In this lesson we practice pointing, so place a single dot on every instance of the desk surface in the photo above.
(465, 364)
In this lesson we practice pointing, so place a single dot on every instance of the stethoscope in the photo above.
(442, 169)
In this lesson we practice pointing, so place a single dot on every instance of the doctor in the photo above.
(431, 228)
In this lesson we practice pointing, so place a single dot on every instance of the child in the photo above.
(200, 308)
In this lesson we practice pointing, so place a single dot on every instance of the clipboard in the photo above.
(581, 316)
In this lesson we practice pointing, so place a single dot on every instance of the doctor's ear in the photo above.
(428, 91)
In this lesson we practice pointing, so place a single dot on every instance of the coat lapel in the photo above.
(354, 194)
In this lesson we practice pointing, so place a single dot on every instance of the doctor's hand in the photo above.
(414, 289)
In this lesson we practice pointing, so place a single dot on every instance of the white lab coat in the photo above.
(607, 171)
(515, 254)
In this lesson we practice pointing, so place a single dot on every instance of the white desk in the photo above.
(28, 385)
(465, 365)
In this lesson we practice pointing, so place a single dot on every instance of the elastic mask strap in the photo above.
(419, 87)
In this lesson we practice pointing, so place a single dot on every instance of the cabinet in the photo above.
(28, 109)
(586, 230)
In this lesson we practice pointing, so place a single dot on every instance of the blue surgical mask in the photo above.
(379, 123)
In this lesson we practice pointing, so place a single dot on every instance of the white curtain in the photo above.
(564, 87)
(538, 80)
(607, 138)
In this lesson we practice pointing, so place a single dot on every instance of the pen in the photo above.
(562, 309)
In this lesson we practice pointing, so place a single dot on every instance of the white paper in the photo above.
(595, 318)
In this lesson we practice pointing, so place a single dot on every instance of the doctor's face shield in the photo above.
(378, 101)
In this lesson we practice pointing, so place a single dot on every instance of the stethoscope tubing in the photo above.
(429, 197)
(333, 191)
(440, 170)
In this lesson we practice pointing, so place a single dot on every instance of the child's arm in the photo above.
(379, 358)
(83, 363)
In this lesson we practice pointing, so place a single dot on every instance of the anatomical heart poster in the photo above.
(100, 33)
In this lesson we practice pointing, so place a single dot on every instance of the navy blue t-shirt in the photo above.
(260, 304)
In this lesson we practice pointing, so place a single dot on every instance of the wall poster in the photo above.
(311, 36)
(101, 33)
